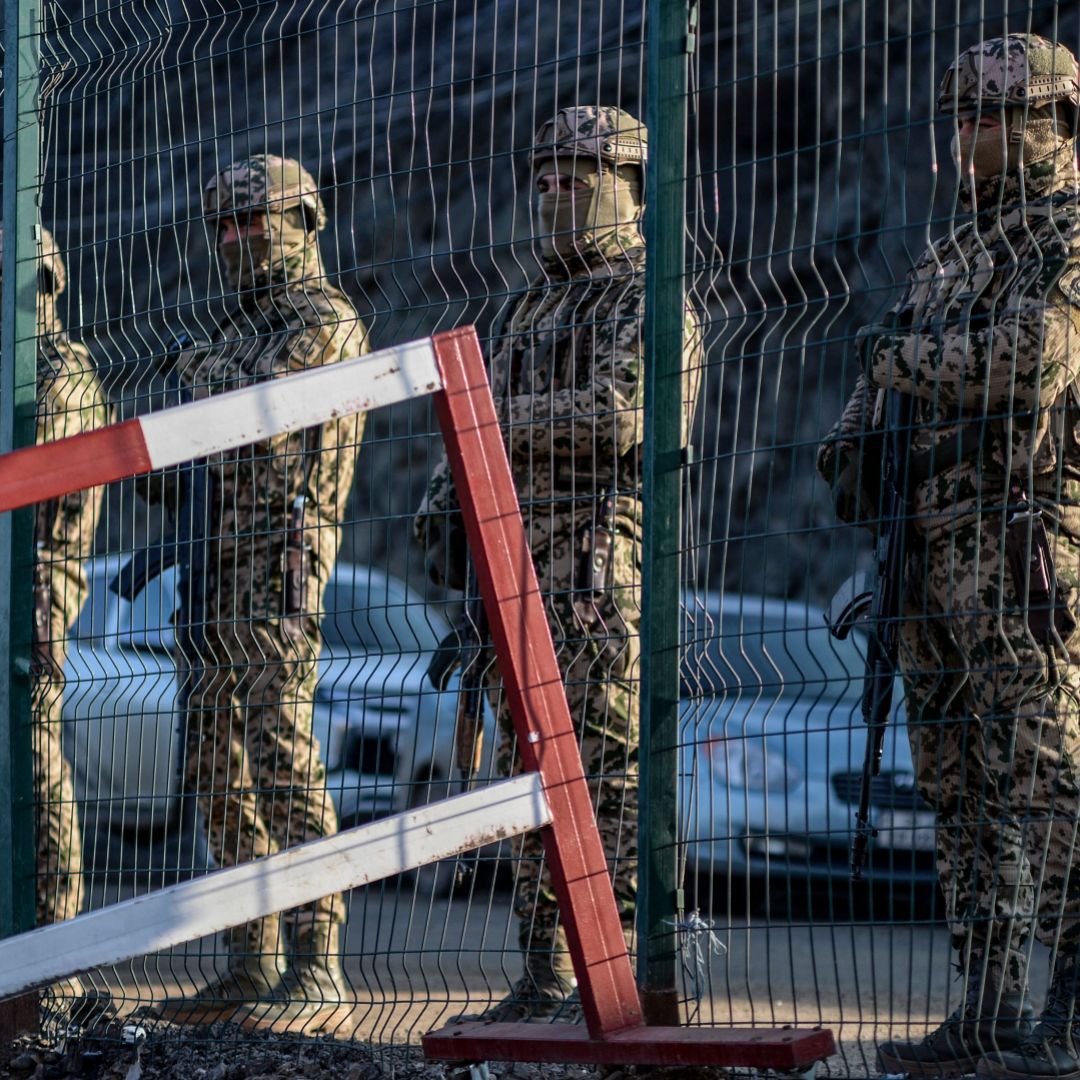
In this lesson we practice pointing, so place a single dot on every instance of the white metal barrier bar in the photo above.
(222, 422)
(226, 898)
(290, 403)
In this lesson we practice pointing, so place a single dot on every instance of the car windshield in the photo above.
(768, 647)
(367, 613)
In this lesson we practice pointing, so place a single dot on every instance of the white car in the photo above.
(386, 733)
(772, 742)
(122, 723)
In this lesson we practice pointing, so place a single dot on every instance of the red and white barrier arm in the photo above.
(552, 794)
(223, 422)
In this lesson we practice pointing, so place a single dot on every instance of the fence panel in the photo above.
(414, 121)
(245, 643)
(820, 170)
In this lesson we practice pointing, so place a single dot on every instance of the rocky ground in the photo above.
(218, 1052)
(226, 1051)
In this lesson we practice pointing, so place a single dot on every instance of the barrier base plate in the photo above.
(788, 1049)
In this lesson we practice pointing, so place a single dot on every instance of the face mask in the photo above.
(1042, 139)
(245, 261)
(287, 251)
(572, 222)
(989, 154)
(984, 152)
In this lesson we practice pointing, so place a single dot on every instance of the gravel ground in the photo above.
(225, 1051)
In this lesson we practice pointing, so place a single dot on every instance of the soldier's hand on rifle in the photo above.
(866, 339)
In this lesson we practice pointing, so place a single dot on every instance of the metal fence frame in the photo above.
(18, 378)
(670, 45)
(671, 42)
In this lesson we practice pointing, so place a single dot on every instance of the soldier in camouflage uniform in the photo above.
(253, 760)
(986, 339)
(566, 374)
(69, 401)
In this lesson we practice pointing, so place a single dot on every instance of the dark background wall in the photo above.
(812, 187)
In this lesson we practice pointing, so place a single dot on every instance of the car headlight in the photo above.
(751, 764)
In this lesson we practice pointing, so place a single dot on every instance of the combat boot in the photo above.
(254, 972)
(316, 965)
(546, 993)
(1050, 1052)
(315, 983)
(982, 1022)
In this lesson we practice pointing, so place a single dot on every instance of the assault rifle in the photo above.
(466, 647)
(880, 608)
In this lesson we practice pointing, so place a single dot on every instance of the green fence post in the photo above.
(18, 377)
(659, 902)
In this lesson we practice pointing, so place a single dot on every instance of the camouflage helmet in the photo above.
(264, 182)
(1018, 70)
(599, 131)
(53, 274)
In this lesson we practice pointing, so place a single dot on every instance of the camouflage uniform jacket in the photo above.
(566, 373)
(289, 327)
(566, 376)
(69, 402)
(985, 335)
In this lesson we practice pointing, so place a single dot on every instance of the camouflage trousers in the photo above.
(59, 860)
(597, 647)
(64, 530)
(994, 724)
(253, 761)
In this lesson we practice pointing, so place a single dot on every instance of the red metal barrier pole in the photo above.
(616, 1031)
(533, 684)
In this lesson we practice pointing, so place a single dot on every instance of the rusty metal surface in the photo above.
(774, 1048)
(546, 737)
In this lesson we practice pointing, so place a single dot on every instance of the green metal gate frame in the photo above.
(18, 378)
(670, 27)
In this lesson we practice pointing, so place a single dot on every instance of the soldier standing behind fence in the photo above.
(566, 373)
(274, 533)
(986, 338)
(69, 401)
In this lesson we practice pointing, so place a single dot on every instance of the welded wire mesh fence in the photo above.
(830, 176)
(248, 664)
